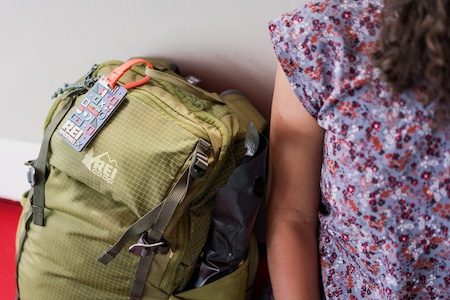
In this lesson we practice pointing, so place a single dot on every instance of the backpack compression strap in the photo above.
(151, 243)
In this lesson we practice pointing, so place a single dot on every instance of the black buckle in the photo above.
(144, 248)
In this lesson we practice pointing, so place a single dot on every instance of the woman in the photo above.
(359, 193)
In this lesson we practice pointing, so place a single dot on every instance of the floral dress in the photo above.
(385, 175)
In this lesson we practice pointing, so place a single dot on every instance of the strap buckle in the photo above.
(31, 174)
(199, 162)
(144, 248)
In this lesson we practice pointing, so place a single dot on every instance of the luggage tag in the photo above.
(99, 104)
(91, 114)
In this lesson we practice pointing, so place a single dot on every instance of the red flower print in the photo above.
(346, 15)
(426, 175)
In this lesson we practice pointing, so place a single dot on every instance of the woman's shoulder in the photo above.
(331, 18)
(325, 45)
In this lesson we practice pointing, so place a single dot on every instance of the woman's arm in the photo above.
(296, 143)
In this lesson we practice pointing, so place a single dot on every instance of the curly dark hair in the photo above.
(414, 49)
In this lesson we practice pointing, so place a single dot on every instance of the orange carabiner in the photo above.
(115, 75)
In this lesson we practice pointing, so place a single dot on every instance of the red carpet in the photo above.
(9, 216)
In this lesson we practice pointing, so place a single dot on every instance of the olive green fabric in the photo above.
(93, 196)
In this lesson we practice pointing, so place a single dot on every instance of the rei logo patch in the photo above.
(101, 165)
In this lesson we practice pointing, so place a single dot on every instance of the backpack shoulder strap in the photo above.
(38, 168)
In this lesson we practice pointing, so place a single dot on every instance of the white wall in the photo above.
(47, 43)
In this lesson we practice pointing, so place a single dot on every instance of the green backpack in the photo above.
(132, 164)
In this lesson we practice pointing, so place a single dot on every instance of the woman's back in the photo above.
(385, 177)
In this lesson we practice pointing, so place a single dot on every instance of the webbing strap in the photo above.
(137, 288)
(175, 197)
(196, 170)
(40, 166)
(136, 228)
(157, 230)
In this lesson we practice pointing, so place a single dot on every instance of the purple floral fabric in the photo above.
(385, 175)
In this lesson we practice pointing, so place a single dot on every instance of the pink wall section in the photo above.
(9, 216)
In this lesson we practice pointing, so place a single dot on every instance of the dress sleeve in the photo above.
(307, 47)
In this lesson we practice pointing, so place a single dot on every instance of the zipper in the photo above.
(160, 106)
